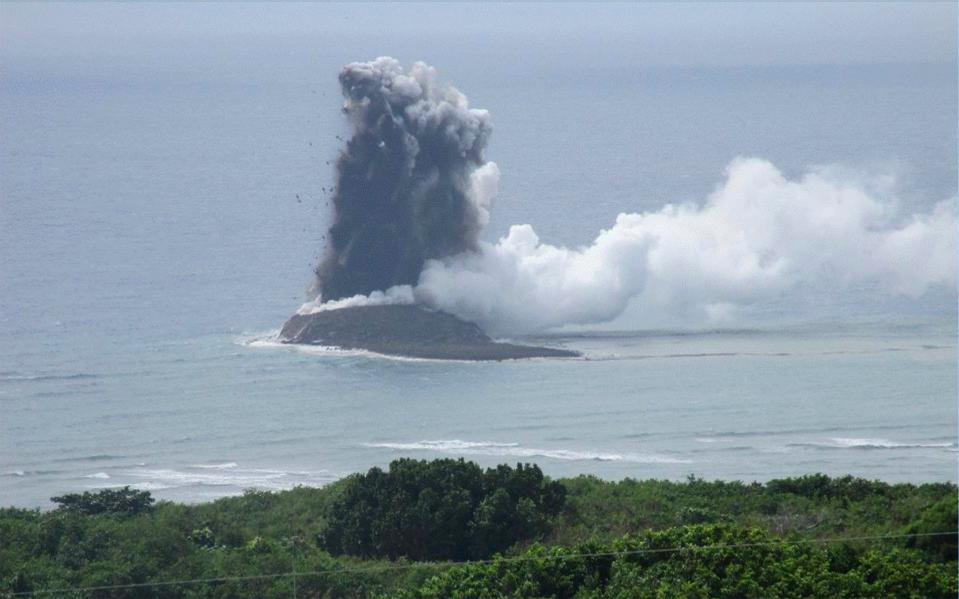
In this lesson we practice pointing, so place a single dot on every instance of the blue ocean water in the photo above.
(159, 216)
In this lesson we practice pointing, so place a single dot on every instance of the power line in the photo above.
(388, 567)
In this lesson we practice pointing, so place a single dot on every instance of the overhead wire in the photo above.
(497, 560)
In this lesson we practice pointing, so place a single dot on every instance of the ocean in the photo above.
(160, 216)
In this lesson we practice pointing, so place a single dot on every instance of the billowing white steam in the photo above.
(757, 235)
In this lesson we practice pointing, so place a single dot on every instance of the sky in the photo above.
(652, 34)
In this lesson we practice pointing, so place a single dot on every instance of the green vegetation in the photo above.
(123, 501)
(643, 539)
(445, 509)
(702, 561)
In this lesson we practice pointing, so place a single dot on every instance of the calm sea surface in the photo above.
(159, 218)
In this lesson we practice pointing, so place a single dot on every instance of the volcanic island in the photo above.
(411, 186)
(409, 331)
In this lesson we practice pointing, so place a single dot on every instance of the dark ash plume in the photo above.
(403, 189)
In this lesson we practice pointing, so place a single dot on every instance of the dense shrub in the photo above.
(820, 486)
(940, 516)
(125, 501)
(704, 561)
(121, 537)
(443, 509)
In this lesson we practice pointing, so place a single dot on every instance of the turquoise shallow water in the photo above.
(152, 237)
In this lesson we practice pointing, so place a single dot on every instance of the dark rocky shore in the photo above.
(404, 330)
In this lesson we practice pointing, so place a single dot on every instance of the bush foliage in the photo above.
(124, 502)
(702, 561)
(444, 509)
(656, 539)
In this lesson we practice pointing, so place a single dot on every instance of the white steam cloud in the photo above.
(756, 236)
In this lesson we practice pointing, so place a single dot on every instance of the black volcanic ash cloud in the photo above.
(403, 189)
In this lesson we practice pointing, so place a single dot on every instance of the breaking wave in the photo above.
(14, 376)
(224, 466)
(871, 443)
(227, 474)
(456, 446)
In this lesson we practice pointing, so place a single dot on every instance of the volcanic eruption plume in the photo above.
(413, 194)
(409, 182)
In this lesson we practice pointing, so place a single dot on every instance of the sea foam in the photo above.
(456, 446)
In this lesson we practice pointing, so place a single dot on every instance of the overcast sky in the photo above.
(687, 34)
